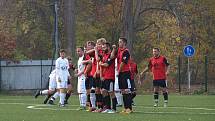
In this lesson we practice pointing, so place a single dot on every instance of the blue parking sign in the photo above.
(189, 51)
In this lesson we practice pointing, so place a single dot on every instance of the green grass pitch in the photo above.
(180, 108)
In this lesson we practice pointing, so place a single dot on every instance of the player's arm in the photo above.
(125, 58)
(57, 67)
(107, 63)
(80, 73)
(96, 54)
(113, 52)
(167, 66)
(68, 67)
(90, 51)
(85, 62)
(146, 69)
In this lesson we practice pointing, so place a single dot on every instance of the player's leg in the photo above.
(62, 96)
(52, 89)
(113, 97)
(68, 93)
(165, 92)
(119, 98)
(62, 86)
(50, 93)
(125, 86)
(54, 97)
(92, 94)
(133, 91)
(87, 86)
(81, 89)
(156, 92)
(117, 93)
(106, 101)
(99, 97)
(41, 92)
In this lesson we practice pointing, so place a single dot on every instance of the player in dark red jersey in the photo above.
(108, 77)
(89, 77)
(134, 72)
(124, 75)
(69, 89)
(159, 67)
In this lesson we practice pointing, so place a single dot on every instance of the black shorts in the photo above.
(68, 82)
(108, 85)
(89, 82)
(159, 83)
(133, 86)
(97, 83)
(124, 80)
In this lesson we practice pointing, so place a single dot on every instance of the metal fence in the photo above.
(25, 75)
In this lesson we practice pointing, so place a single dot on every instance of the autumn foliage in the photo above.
(7, 46)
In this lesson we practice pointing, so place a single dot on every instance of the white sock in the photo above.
(62, 97)
(119, 97)
(93, 99)
(44, 92)
(83, 99)
(80, 101)
(55, 96)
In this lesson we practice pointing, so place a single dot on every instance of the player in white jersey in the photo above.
(52, 87)
(116, 87)
(81, 89)
(62, 75)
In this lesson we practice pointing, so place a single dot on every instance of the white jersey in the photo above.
(62, 66)
(52, 80)
(116, 84)
(81, 79)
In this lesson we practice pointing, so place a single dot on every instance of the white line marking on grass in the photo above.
(16, 99)
(37, 108)
(148, 112)
(49, 107)
(188, 108)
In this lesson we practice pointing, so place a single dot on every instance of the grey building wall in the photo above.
(25, 75)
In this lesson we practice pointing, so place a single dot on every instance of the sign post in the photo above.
(189, 51)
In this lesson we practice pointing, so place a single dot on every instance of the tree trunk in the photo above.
(127, 20)
(69, 16)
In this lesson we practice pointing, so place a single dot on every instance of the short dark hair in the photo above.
(107, 44)
(82, 48)
(92, 43)
(156, 48)
(69, 58)
(124, 40)
(62, 50)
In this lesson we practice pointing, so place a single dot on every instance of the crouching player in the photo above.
(52, 87)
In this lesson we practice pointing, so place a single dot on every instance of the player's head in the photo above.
(62, 53)
(122, 42)
(106, 47)
(156, 52)
(80, 51)
(90, 45)
(100, 42)
(69, 59)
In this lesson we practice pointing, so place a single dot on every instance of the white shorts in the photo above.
(81, 85)
(116, 85)
(62, 84)
(52, 84)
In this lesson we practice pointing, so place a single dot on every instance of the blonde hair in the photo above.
(102, 40)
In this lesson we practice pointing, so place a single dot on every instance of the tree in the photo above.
(69, 16)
